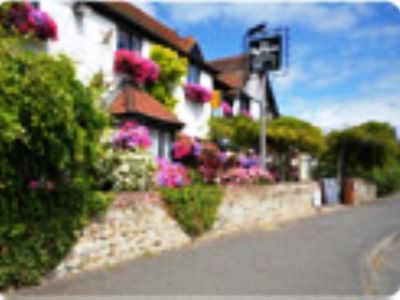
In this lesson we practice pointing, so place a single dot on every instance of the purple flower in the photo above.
(34, 184)
(197, 148)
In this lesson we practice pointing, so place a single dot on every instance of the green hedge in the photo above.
(387, 178)
(49, 146)
(194, 207)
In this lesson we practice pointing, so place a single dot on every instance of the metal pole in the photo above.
(263, 85)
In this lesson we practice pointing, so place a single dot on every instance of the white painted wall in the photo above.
(86, 44)
(195, 115)
(256, 91)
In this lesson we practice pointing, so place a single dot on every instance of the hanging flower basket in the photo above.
(227, 109)
(25, 19)
(197, 93)
(141, 70)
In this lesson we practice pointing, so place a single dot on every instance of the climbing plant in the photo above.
(49, 144)
(172, 69)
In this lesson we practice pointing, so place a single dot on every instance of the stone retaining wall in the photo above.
(257, 205)
(138, 224)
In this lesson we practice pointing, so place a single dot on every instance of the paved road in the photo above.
(386, 267)
(316, 256)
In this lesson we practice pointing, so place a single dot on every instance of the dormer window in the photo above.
(193, 74)
(129, 40)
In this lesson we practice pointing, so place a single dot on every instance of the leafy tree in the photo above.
(49, 136)
(364, 150)
(242, 131)
(288, 135)
(172, 70)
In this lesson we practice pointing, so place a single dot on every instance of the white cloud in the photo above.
(192, 13)
(315, 16)
(294, 76)
(338, 114)
(377, 33)
(383, 84)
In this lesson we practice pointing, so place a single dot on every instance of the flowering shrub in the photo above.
(127, 164)
(41, 184)
(49, 146)
(197, 93)
(210, 164)
(246, 113)
(227, 109)
(249, 161)
(240, 175)
(128, 169)
(132, 135)
(140, 69)
(204, 156)
(183, 147)
(27, 19)
(172, 174)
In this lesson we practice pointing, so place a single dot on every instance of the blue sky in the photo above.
(344, 65)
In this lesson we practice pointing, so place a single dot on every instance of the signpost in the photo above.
(265, 53)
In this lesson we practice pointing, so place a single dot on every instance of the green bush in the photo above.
(127, 169)
(194, 207)
(387, 178)
(172, 70)
(49, 136)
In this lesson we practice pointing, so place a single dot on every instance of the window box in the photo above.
(197, 93)
(140, 70)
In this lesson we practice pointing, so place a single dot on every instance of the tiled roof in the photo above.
(144, 20)
(234, 80)
(133, 100)
(188, 43)
(233, 63)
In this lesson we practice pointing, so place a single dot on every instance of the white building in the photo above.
(243, 90)
(91, 32)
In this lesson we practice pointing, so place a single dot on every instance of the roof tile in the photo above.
(131, 99)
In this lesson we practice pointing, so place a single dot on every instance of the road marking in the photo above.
(396, 296)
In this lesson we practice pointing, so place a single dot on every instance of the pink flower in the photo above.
(34, 184)
(26, 18)
(50, 185)
(197, 93)
(172, 174)
(227, 109)
(132, 135)
(182, 147)
(141, 70)
(246, 113)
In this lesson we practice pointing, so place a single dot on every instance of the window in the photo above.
(136, 43)
(35, 4)
(244, 104)
(129, 40)
(161, 144)
(193, 74)
(123, 40)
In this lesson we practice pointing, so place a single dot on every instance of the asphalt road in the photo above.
(323, 255)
